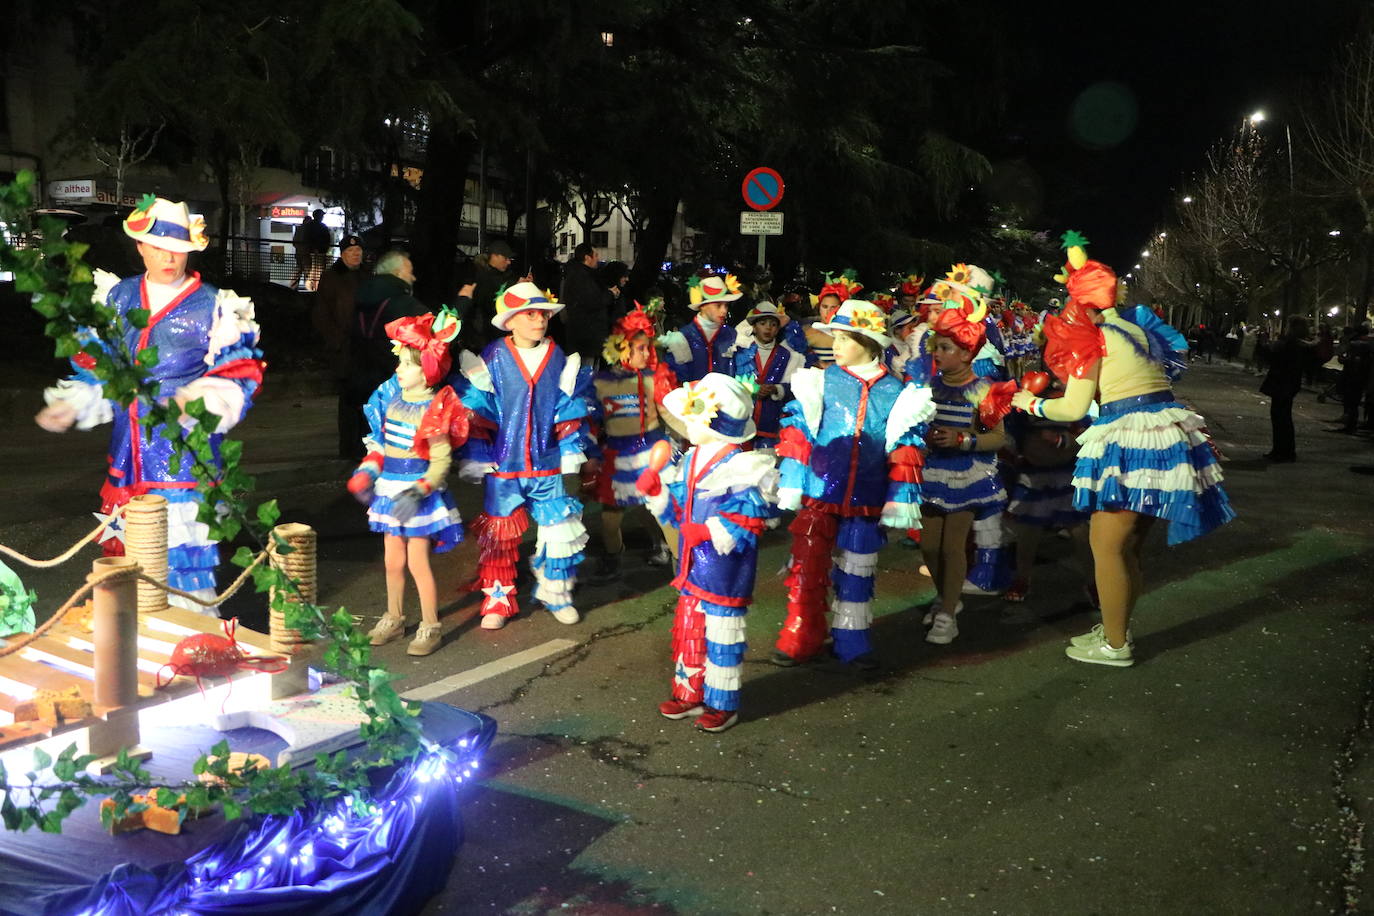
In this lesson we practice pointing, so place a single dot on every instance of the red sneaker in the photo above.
(680, 709)
(717, 720)
(1016, 593)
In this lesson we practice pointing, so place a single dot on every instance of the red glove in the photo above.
(360, 485)
(649, 483)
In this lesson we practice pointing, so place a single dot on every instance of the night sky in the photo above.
(1155, 85)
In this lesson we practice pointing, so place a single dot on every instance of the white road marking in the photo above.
(472, 676)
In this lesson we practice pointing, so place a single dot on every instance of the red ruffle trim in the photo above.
(566, 428)
(445, 416)
(835, 509)
(792, 443)
(905, 463)
(495, 528)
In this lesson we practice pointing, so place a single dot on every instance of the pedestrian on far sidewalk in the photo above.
(587, 321)
(1287, 357)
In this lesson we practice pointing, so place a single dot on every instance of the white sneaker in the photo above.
(567, 615)
(493, 621)
(1095, 635)
(1100, 653)
(943, 629)
(971, 589)
(934, 608)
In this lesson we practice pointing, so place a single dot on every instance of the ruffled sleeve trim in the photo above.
(912, 407)
(808, 390)
(445, 417)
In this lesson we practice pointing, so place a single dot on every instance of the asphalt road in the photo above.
(1229, 771)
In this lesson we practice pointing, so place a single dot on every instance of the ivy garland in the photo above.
(61, 285)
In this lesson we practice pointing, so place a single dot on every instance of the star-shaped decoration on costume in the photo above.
(114, 529)
(683, 674)
(498, 593)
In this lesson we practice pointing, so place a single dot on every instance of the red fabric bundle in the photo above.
(996, 403)
(1093, 286)
(417, 333)
(1072, 347)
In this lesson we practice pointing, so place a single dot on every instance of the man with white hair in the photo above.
(206, 342)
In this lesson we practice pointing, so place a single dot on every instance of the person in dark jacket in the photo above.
(1287, 358)
(381, 298)
(587, 302)
(491, 274)
(335, 313)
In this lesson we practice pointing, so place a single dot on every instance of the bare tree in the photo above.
(1339, 124)
(118, 156)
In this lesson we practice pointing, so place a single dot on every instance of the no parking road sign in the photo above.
(762, 189)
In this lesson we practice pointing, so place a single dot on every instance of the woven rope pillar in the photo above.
(300, 565)
(145, 542)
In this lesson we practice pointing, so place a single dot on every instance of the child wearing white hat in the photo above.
(719, 498)
(531, 428)
(850, 450)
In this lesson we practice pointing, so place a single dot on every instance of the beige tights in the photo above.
(944, 544)
(1117, 539)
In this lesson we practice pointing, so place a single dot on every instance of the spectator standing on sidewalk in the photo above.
(1356, 360)
(492, 273)
(381, 299)
(1287, 358)
(335, 313)
(587, 302)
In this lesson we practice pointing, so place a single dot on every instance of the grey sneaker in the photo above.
(1100, 653)
(387, 629)
(660, 557)
(427, 639)
(943, 629)
(1096, 635)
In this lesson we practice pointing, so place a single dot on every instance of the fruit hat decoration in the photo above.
(703, 290)
(963, 325)
(166, 224)
(912, 285)
(885, 301)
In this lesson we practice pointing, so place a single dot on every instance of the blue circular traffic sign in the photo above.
(762, 189)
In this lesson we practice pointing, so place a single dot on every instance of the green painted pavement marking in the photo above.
(1244, 579)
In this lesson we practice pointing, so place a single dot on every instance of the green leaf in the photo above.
(268, 513)
(166, 798)
(41, 759)
(232, 810)
(147, 357)
(138, 317)
(243, 557)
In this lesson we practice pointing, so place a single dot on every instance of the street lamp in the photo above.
(1188, 199)
(1334, 233)
(1257, 117)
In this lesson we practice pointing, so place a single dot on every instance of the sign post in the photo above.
(762, 189)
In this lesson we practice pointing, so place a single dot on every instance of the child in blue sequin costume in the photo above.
(851, 466)
(415, 422)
